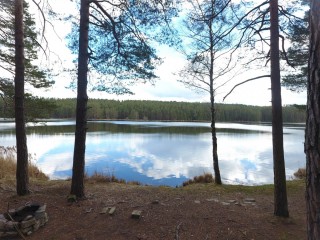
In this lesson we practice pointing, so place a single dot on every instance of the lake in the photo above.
(162, 153)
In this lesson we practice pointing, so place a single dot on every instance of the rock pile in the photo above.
(23, 221)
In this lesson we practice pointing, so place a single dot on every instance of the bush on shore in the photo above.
(204, 178)
(98, 177)
(301, 173)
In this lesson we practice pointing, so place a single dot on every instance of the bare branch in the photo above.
(44, 24)
(248, 80)
(285, 52)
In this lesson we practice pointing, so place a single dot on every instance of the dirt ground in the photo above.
(199, 211)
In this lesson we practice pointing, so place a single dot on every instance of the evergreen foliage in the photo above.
(122, 42)
(161, 111)
(34, 75)
(296, 78)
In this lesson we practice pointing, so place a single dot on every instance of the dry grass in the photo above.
(301, 173)
(8, 163)
(98, 177)
(204, 178)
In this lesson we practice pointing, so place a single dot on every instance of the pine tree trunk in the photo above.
(21, 139)
(77, 185)
(280, 190)
(312, 141)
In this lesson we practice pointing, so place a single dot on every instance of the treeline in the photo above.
(158, 110)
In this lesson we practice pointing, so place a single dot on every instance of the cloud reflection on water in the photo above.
(155, 154)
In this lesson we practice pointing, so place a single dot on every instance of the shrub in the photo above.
(301, 173)
(98, 177)
(204, 178)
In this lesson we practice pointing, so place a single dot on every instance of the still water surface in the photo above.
(162, 153)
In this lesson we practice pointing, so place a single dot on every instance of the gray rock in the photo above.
(26, 224)
(212, 200)
(136, 214)
(197, 202)
(104, 210)
(112, 210)
(27, 218)
(36, 226)
(40, 215)
(11, 226)
(249, 200)
(26, 230)
(3, 223)
(225, 203)
(42, 208)
(10, 234)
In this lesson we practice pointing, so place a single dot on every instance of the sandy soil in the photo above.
(199, 211)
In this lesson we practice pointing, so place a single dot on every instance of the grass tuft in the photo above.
(204, 178)
(8, 163)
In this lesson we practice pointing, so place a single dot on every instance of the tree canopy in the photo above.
(35, 75)
(122, 41)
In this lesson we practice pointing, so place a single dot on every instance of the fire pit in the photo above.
(23, 221)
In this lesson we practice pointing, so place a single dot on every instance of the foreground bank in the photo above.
(198, 211)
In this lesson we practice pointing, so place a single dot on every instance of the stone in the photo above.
(10, 225)
(249, 200)
(232, 201)
(72, 198)
(10, 234)
(12, 211)
(104, 210)
(40, 215)
(26, 230)
(27, 218)
(36, 226)
(3, 223)
(44, 220)
(136, 214)
(112, 210)
(197, 202)
(26, 224)
(41, 209)
(225, 203)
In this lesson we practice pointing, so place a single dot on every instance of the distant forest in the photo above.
(162, 111)
(157, 110)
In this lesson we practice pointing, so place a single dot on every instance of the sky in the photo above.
(166, 88)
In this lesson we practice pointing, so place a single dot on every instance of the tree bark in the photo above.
(217, 176)
(22, 176)
(77, 185)
(312, 136)
(280, 190)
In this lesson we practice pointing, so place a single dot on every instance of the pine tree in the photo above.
(34, 75)
(296, 78)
